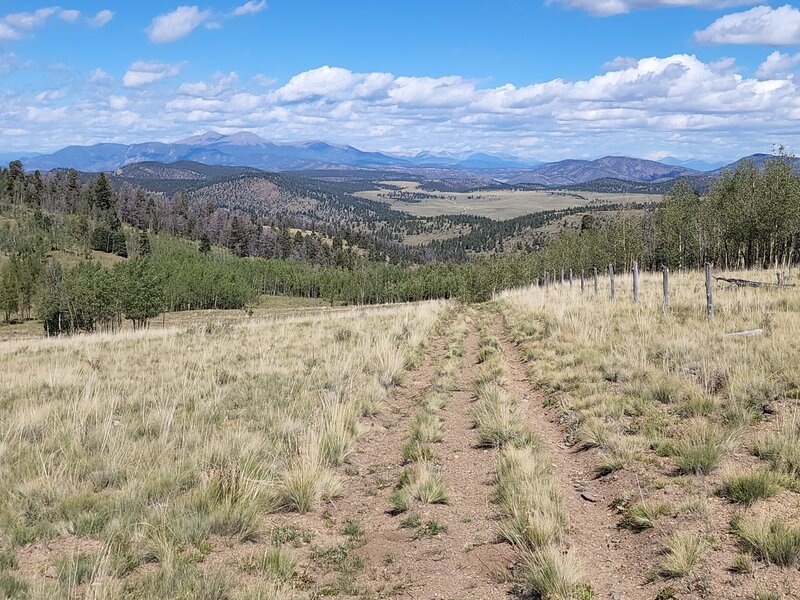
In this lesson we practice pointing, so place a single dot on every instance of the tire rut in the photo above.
(594, 532)
(466, 560)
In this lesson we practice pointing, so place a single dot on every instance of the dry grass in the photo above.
(646, 392)
(165, 446)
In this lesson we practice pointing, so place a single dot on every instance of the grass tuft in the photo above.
(683, 550)
(749, 487)
(770, 540)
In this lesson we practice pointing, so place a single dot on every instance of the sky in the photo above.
(539, 79)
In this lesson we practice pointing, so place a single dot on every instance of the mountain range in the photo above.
(246, 149)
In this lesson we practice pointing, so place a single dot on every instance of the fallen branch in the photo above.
(756, 284)
(748, 333)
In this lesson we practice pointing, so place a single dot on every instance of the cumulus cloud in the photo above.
(777, 65)
(677, 104)
(101, 18)
(250, 8)
(177, 24)
(143, 72)
(217, 85)
(332, 83)
(620, 62)
(605, 8)
(759, 25)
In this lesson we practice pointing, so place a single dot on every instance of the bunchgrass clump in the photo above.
(782, 446)
(746, 488)
(643, 515)
(769, 539)
(682, 552)
(701, 448)
(421, 481)
(276, 563)
(497, 417)
(426, 428)
(551, 573)
(528, 499)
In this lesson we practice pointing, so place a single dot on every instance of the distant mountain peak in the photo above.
(242, 138)
(209, 137)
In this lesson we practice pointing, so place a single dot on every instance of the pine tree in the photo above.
(103, 197)
(205, 244)
(144, 244)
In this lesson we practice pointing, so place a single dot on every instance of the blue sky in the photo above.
(712, 79)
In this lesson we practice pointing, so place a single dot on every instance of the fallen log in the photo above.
(748, 333)
(757, 284)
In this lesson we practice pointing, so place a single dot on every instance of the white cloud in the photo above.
(177, 24)
(8, 33)
(30, 20)
(69, 15)
(117, 102)
(777, 65)
(142, 73)
(606, 8)
(250, 8)
(217, 85)
(14, 26)
(332, 83)
(99, 76)
(619, 63)
(50, 96)
(101, 18)
(263, 80)
(677, 104)
(759, 25)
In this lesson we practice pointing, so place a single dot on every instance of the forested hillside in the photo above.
(186, 251)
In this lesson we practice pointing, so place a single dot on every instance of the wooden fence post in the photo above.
(709, 294)
(666, 288)
(596, 282)
(562, 276)
(570, 279)
(583, 280)
(611, 277)
(547, 280)
(635, 268)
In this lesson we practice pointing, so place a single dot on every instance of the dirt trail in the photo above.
(467, 560)
(608, 555)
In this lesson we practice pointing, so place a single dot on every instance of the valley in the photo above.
(499, 205)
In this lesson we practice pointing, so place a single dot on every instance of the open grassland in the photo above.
(165, 464)
(494, 204)
(684, 442)
(548, 444)
(265, 308)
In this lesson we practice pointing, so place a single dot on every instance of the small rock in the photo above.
(588, 496)
(51, 572)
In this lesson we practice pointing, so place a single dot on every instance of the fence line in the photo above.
(567, 276)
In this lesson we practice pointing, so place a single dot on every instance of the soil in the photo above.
(466, 561)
